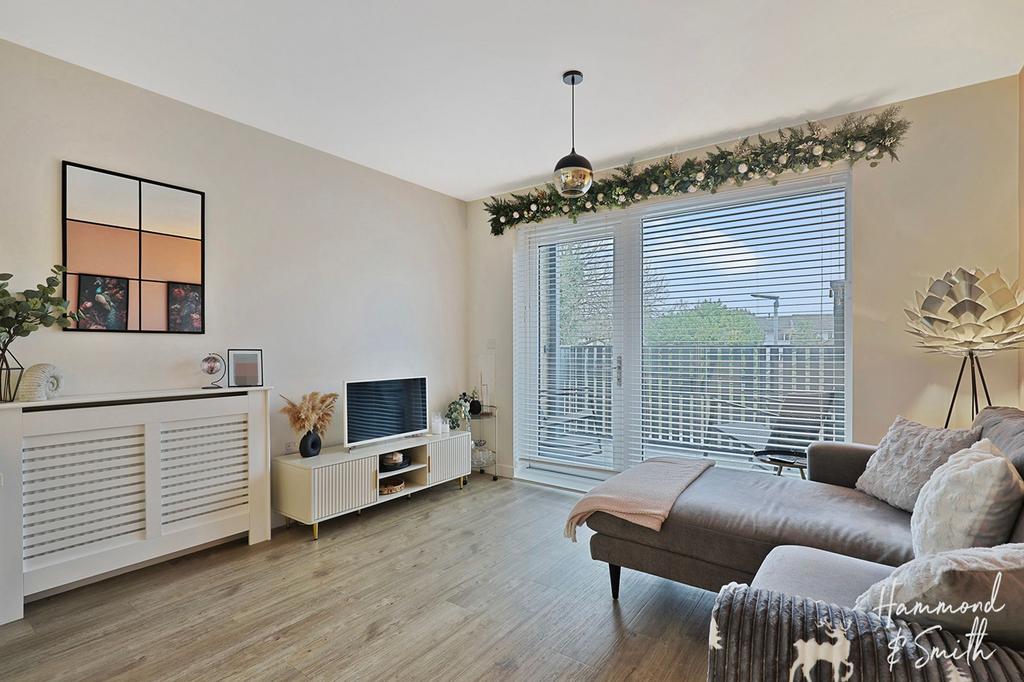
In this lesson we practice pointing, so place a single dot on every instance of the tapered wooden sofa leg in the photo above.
(613, 574)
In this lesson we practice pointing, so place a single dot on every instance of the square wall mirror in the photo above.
(134, 253)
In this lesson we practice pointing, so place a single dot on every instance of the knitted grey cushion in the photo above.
(906, 458)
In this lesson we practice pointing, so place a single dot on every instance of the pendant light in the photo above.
(573, 173)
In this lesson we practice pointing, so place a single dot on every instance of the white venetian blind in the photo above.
(744, 327)
(564, 346)
(714, 331)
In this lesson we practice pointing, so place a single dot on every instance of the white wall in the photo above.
(951, 201)
(336, 271)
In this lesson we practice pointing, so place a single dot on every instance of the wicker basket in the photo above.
(391, 486)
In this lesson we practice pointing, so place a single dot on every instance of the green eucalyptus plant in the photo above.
(23, 312)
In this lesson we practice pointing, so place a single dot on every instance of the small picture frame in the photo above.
(245, 367)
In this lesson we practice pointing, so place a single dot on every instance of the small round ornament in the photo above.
(699, 176)
(782, 159)
(515, 214)
(654, 188)
(742, 168)
(817, 150)
(858, 146)
(533, 207)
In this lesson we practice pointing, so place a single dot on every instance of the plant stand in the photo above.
(478, 427)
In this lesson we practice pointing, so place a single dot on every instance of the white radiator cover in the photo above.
(96, 484)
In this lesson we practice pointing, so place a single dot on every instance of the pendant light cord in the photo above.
(572, 108)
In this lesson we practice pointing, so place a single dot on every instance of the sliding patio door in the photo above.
(714, 328)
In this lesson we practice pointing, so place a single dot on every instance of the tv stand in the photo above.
(342, 480)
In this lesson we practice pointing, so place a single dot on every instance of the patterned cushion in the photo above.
(963, 576)
(906, 458)
(972, 500)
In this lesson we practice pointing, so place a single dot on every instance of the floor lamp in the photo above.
(975, 361)
(968, 313)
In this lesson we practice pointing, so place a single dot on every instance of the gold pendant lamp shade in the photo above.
(573, 174)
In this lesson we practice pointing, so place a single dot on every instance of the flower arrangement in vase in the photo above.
(311, 417)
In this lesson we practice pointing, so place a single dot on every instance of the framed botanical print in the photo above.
(245, 367)
(134, 252)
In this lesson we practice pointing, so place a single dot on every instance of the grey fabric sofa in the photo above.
(724, 526)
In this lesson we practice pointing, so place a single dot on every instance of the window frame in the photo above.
(627, 225)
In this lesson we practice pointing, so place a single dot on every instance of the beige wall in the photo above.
(337, 271)
(951, 201)
(1020, 199)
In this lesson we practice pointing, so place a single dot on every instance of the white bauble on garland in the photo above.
(40, 382)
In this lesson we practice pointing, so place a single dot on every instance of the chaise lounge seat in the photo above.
(727, 521)
(724, 525)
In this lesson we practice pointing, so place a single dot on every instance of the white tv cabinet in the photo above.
(342, 480)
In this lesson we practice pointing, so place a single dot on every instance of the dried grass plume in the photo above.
(313, 413)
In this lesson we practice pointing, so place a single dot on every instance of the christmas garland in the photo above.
(871, 137)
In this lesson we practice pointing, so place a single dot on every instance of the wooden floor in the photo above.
(472, 584)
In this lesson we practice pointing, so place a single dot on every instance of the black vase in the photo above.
(309, 446)
(475, 406)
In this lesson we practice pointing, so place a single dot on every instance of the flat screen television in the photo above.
(382, 409)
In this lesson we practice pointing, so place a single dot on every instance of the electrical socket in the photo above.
(290, 446)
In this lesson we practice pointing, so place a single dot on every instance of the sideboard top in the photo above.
(337, 454)
(133, 397)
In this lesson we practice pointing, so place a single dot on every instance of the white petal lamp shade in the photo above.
(968, 311)
(573, 175)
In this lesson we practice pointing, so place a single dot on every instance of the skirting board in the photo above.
(142, 564)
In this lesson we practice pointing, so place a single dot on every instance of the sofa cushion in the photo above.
(734, 518)
(817, 574)
(1004, 426)
(973, 500)
(963, 580)
(907, 456)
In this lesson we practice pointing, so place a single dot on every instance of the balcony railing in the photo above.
(723, 402)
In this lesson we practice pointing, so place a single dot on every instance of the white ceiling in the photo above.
(465, 96)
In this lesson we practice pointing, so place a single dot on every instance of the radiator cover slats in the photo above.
(73, 489)
(204, 468)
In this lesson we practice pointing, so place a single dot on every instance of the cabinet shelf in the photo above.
(403, 470)
(407, 490)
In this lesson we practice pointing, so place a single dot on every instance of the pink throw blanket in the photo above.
(643, 494)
